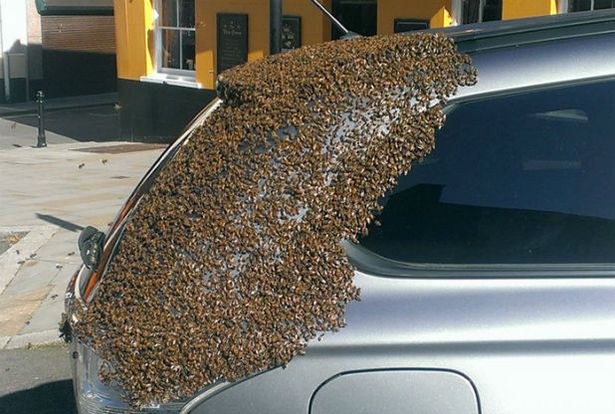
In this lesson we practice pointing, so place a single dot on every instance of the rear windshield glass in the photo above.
(528, 178)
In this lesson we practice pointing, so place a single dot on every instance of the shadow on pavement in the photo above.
(59, 222)
(51, 398)
(100, 123)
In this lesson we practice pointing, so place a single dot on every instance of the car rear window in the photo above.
(528, 178)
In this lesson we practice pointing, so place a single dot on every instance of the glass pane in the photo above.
(522, 179)
(168, 13)
(603, 4)
(170, 48)
(186, 13)
(471, 11)
(492, 10)
(579, 5)
(188, 50)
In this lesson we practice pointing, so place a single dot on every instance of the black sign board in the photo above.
(232, 44)
(409, 25)
(291, 32)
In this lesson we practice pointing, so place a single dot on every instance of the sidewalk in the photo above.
(46, 196)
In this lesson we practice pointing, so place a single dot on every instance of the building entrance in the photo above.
(358, 16)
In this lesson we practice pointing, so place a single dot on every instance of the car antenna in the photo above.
(347, 33)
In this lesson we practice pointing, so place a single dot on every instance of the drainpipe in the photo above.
(275, 26)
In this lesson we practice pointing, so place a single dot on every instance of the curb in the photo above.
(48, 337)
(10, 260)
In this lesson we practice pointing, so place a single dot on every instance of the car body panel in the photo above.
(529, 346)
(396, 391)
(544, 64)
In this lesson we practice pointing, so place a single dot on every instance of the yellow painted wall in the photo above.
(258, 33)
(133, 38)
(315, 28)
(517, 9)
(438, 12)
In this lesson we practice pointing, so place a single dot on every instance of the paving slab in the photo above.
(16, 310)
(50, 336)
(12, 259)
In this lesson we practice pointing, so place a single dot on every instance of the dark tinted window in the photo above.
(604, 4)
(580, 5)
(474, 11)
(519, 179)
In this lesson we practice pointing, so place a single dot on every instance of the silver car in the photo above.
(490, 285)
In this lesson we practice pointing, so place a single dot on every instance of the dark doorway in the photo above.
(358, 16)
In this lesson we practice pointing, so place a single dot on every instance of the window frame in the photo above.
(370, 262)
(457, 10)
(566, 5)
(171, 76)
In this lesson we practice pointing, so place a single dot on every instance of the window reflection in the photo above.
(518, 179)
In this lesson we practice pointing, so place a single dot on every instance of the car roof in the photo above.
(537, 52)
(518, 32)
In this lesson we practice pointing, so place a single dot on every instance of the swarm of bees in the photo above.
(232, 261)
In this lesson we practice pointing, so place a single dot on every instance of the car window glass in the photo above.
(528, 178)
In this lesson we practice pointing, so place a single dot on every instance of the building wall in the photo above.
(35, 49)
(78, 55)
(134, 36)
(516, 9)
(134, 33)
(258, 33)
(61, 55)
(437, 12)
(314, 27)
(14, 35)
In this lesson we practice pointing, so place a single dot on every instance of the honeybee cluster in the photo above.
(232, 261)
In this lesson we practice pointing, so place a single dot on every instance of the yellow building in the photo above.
(169, 52)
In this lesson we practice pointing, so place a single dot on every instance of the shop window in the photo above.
(175, 33)
(476, 11)
(585, 5)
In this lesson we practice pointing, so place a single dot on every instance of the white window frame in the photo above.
(170, 76)
(456, 11)
(562, 6)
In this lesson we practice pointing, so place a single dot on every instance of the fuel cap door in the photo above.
(396, 391)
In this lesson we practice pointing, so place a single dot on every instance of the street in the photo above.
(36, 381)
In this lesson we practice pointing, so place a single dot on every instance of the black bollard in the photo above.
(40, 100)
